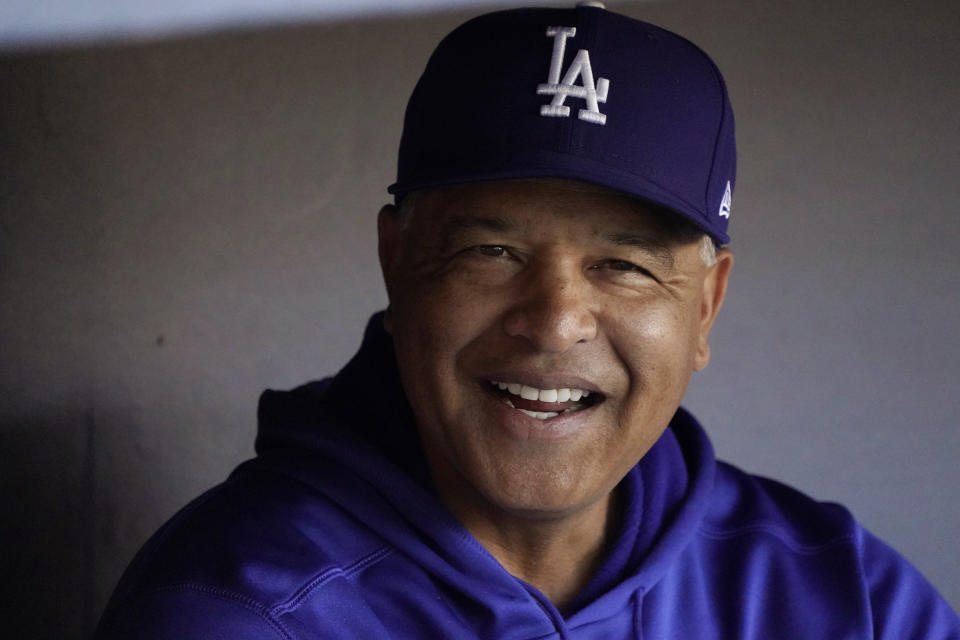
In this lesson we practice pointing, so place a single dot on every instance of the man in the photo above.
(506, 456)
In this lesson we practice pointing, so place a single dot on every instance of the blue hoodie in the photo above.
(334, 531)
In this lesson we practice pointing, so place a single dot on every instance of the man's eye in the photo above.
(623, 265)
(490, 250)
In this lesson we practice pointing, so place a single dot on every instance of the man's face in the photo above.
(586, 307)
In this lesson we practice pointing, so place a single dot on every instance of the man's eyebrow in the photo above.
(469, 222)
(646, 243)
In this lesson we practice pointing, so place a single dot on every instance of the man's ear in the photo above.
(388, 247)
(388, 241)
(714, 291)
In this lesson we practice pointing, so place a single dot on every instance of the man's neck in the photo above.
(557, 555)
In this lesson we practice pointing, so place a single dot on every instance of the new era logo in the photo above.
(592, 93)
(725, 203)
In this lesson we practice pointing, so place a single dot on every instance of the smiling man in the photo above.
(545, 332)
(506, 456)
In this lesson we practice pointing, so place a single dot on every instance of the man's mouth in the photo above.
(544, 404)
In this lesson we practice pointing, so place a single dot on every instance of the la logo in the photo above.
(563, 89)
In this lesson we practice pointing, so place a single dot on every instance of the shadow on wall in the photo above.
(46, 528)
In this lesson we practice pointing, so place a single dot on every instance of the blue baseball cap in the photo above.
(579, 93)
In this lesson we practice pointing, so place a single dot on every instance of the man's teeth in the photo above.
(541, 415)
(543, 395)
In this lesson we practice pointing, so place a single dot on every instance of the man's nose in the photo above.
(554, 310)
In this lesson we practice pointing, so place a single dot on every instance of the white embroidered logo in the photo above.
(725, 203)
(561, 89)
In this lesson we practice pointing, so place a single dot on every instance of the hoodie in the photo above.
(334, 531)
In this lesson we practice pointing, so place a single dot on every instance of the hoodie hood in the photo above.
(384, 481)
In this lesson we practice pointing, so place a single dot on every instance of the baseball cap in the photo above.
(581, 93)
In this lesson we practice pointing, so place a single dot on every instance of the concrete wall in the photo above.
(185, 223)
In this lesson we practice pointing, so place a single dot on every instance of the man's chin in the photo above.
(535, 493)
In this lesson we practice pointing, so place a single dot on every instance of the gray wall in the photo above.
(185, 223)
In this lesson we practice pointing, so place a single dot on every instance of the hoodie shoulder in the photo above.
(248, 550)
(745, 504)
(770, 562)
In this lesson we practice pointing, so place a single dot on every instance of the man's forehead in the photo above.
(505, 205)
(518, 193)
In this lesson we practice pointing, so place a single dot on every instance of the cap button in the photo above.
(590, 3)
